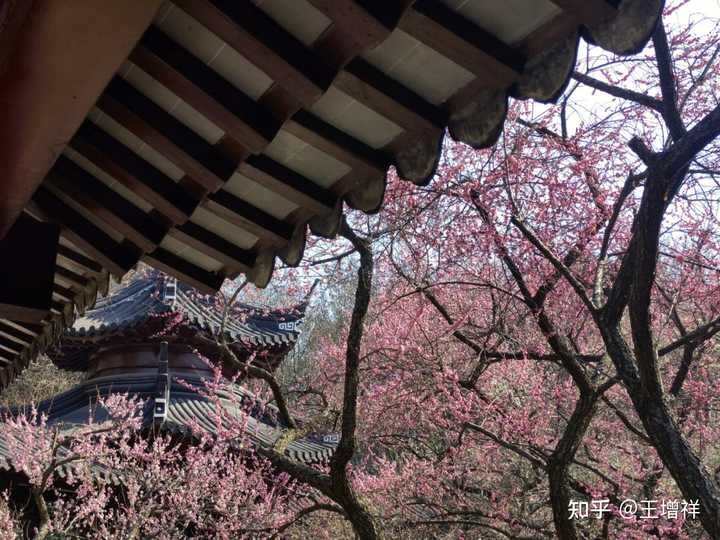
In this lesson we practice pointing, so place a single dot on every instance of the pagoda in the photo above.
(159, 340)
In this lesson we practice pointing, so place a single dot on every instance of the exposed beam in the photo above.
(460, 40)
(7, 356)
(138, 175)
(65, 293)
(185, 271)
(250, 218)
(11, 345)
(336, 143)
(109, 206)
(214, 246)
(253, 34)
(73, 277)
(370, 86)
(367, 22)
(19, 335)
(357, 26)
(205, 90)
(31, 328)
(79, 258)
(166, 134)
(12, 19)
(116, 257)
(288, 184)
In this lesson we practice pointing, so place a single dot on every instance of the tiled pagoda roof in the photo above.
(155, 294)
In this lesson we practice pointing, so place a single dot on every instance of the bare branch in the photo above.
(559, 266)
(616, 91)
(701, 333)
(668, 87)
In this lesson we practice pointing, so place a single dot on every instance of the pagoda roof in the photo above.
(149, 295)
(186, 406)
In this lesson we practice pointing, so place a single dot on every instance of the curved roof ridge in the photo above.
(143, 296)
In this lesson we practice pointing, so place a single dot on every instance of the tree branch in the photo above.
(559, 266)
(616, 91)
(346, 447)
(668, 87)
(700, 334)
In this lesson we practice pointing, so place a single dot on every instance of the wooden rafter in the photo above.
(205, 90)
(367, 22)
(138, 175)
(214, 246)
(357, 26)
(11, 344)
(337, 143)
(65, 293)
(460, 40)
(245, 215)
(108, 205)
(166, 134)
(12, 331)
(7, 358)
(74, 278)
(31, 328)
(264, 43)
(79, 258)
(370, 86)
(288, 184)
(207, 282)
(117, 257)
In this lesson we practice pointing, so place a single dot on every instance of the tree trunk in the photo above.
(44, 528)
(362, 521)
(559, 463)
(685, 467)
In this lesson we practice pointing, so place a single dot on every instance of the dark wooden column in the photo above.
(27, 270)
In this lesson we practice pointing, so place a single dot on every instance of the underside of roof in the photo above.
(235, 128)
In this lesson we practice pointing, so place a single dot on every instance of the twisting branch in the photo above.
(560, 459)
(556, 341)
(457, 333)
(255, 372)
(700, 79)
(347, 444)
(249, 369)
(336, 485)
(626, 421)
(633, 289)
(340, 489)
(696, 139)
